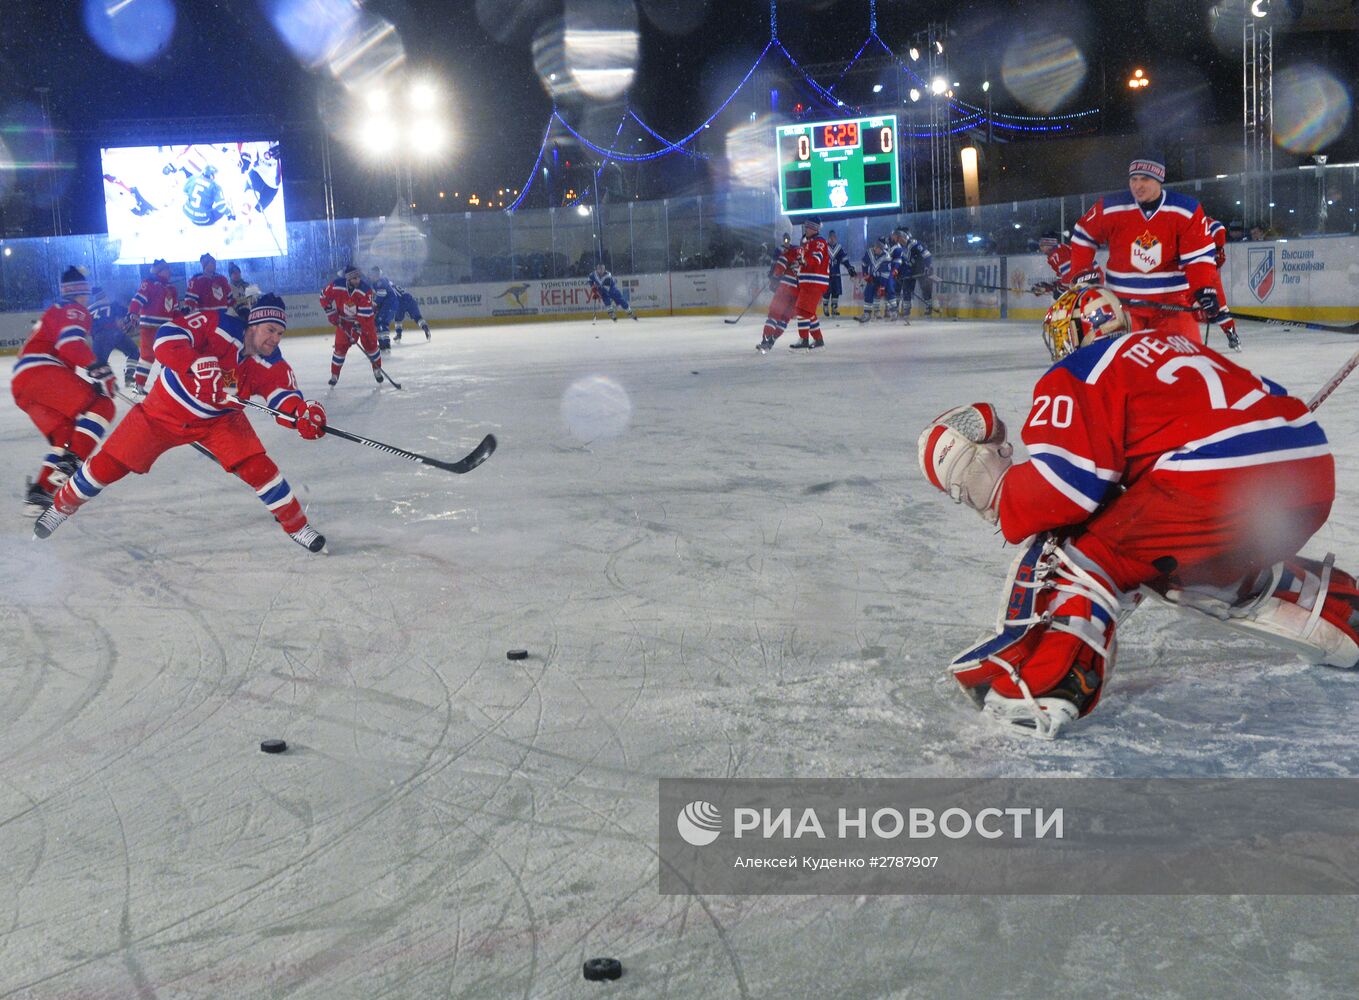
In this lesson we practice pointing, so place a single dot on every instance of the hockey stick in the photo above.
(758, 292)
(387, 376)
(1333, 382)
(1250, 317)
(475, 457)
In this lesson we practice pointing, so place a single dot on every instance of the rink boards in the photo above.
(1314, 280)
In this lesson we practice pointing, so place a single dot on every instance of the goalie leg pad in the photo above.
(1054, 642)
(1306, 606)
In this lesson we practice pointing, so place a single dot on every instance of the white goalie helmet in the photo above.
(1081, 316)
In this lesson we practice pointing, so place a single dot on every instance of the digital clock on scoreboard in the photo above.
(839, 166)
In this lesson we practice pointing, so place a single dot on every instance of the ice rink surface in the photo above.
(752, 579)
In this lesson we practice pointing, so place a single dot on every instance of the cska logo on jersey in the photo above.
(169, 304)
(216, 291)
(1260, 272)
(1145, 252)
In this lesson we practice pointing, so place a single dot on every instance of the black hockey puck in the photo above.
(517, 654)
(273, 746)
(599, 969)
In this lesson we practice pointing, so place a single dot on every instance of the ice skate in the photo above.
(309, 538)
(800, 345)
(765, 345)
(428, 335)
(36, 500)
(377, 374)
(815, 344)
(49, 522)
(333, 379)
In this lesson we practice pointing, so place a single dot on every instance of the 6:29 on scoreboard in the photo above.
(838, 166)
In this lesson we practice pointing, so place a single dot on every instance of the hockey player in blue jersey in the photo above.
(603, 285)
(913, 263)
(830, 302)
(204, 201)
(108, 335)
(392, 304)
(878, 286)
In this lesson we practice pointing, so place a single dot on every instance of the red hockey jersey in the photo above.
(208, 292)
(349, 307)
(1060, 262)
(1118, 408)
(61, 338)
(1163, 256)
(815, 262)
(211, 334)
(155, 303)
(785, 269)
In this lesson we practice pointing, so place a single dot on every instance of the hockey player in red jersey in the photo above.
(1156, 466)
(207, 288)
(1159, 251)
(1217, 232)
(813, 279)
(348, 302)
(64, 389)
(783, 277)
(156, 302)
(203, 357)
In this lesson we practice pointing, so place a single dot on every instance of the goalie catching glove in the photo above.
(963, 452)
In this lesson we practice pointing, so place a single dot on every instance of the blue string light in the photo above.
(666, 142)
(533, 174)
(973, 116)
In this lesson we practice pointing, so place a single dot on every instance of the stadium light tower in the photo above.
(414, 119)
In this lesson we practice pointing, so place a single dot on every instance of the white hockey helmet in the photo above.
(1081, 316)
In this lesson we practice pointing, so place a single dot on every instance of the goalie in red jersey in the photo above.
(1156, 467)
(204, 356)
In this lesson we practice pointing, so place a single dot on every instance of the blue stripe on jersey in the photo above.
(187, 399)
(1082, 361)
(1252, 444)
(1090, 485)
(813, 279)
(35, 360)
(1158, 282)
(1181, 202)
(169, 332)
(1275, 389)
(276, 400)
(1079, 235)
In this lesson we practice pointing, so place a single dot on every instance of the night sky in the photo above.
(225, 59)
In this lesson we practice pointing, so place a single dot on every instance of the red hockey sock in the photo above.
(261, 474)
(100, 471)
(91, 426)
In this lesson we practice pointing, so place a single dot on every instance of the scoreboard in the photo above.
(839, 166)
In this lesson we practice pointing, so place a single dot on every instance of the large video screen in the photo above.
(178, 202)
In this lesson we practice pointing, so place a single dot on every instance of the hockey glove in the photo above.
(102, 378)
(308, 418)
(207, 385)
(128, 324)
(852, 272)
(1207, 305)
(1093, 276)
